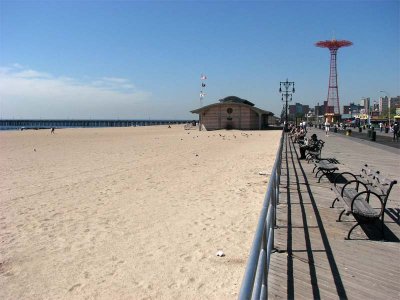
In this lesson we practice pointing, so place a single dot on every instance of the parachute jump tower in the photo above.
(332, 109)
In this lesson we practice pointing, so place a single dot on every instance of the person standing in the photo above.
(381, 126)
(396, 131)
(327, 128)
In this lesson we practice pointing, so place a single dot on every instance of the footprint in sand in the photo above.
(172, 285)
(74, 287)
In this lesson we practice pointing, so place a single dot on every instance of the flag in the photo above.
(203, 77)
(203, 84)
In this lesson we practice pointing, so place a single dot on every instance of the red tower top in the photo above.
(332, 107)
(333, 44)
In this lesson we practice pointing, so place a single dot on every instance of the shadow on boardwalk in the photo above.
(313, 260)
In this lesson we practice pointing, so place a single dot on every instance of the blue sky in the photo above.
(143, 59)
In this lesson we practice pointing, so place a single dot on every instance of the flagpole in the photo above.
(202, 86)
(202, 94)
(201, 90)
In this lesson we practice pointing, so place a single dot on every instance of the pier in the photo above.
(11, 124)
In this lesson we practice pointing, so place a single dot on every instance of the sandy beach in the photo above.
(129, 213)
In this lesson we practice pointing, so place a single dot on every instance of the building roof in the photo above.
(234, 101)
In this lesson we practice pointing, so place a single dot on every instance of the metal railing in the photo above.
(255, 281)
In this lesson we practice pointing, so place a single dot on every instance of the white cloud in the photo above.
(26, 93)
(115, 79)
(31, 74)
(114, 83)
(17, 66)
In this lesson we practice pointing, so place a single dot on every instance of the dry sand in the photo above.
(129, 213)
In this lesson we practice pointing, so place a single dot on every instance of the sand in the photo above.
(129, 213)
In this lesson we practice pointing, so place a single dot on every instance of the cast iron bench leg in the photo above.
(352, 228)
(340, 216)
(324, 174)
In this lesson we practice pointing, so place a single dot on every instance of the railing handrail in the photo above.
(261, 247)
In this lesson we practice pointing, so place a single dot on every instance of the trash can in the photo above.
(360, 129)
(373, 135)
(369, 133)
(386, 129)
(335, 129)
(319, 126)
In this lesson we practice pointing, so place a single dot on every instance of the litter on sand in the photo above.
(263, 173)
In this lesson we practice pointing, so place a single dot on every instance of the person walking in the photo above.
(396, 131)
(327, 128)
(381, 126)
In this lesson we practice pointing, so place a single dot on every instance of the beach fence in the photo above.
(255, 281)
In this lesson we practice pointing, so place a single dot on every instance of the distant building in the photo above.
(328, 109)
(234, 113)
(384, 103)
(298, 110)
(352, 109)
(394, 101)
(366, 103)
(319, 109)
(375, 107)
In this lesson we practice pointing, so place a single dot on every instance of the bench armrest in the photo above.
(319, 159)
(341, 174)
(357, 186)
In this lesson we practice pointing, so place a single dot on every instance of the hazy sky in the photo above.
(143, 59)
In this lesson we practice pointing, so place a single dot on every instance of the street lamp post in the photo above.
(387, 95)
(286, 84)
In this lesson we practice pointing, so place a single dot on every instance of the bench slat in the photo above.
(361, 208)
(323, 165)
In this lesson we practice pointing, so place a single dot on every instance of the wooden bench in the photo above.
(325, 167)
(364, 196)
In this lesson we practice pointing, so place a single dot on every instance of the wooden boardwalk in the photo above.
(312, 258)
